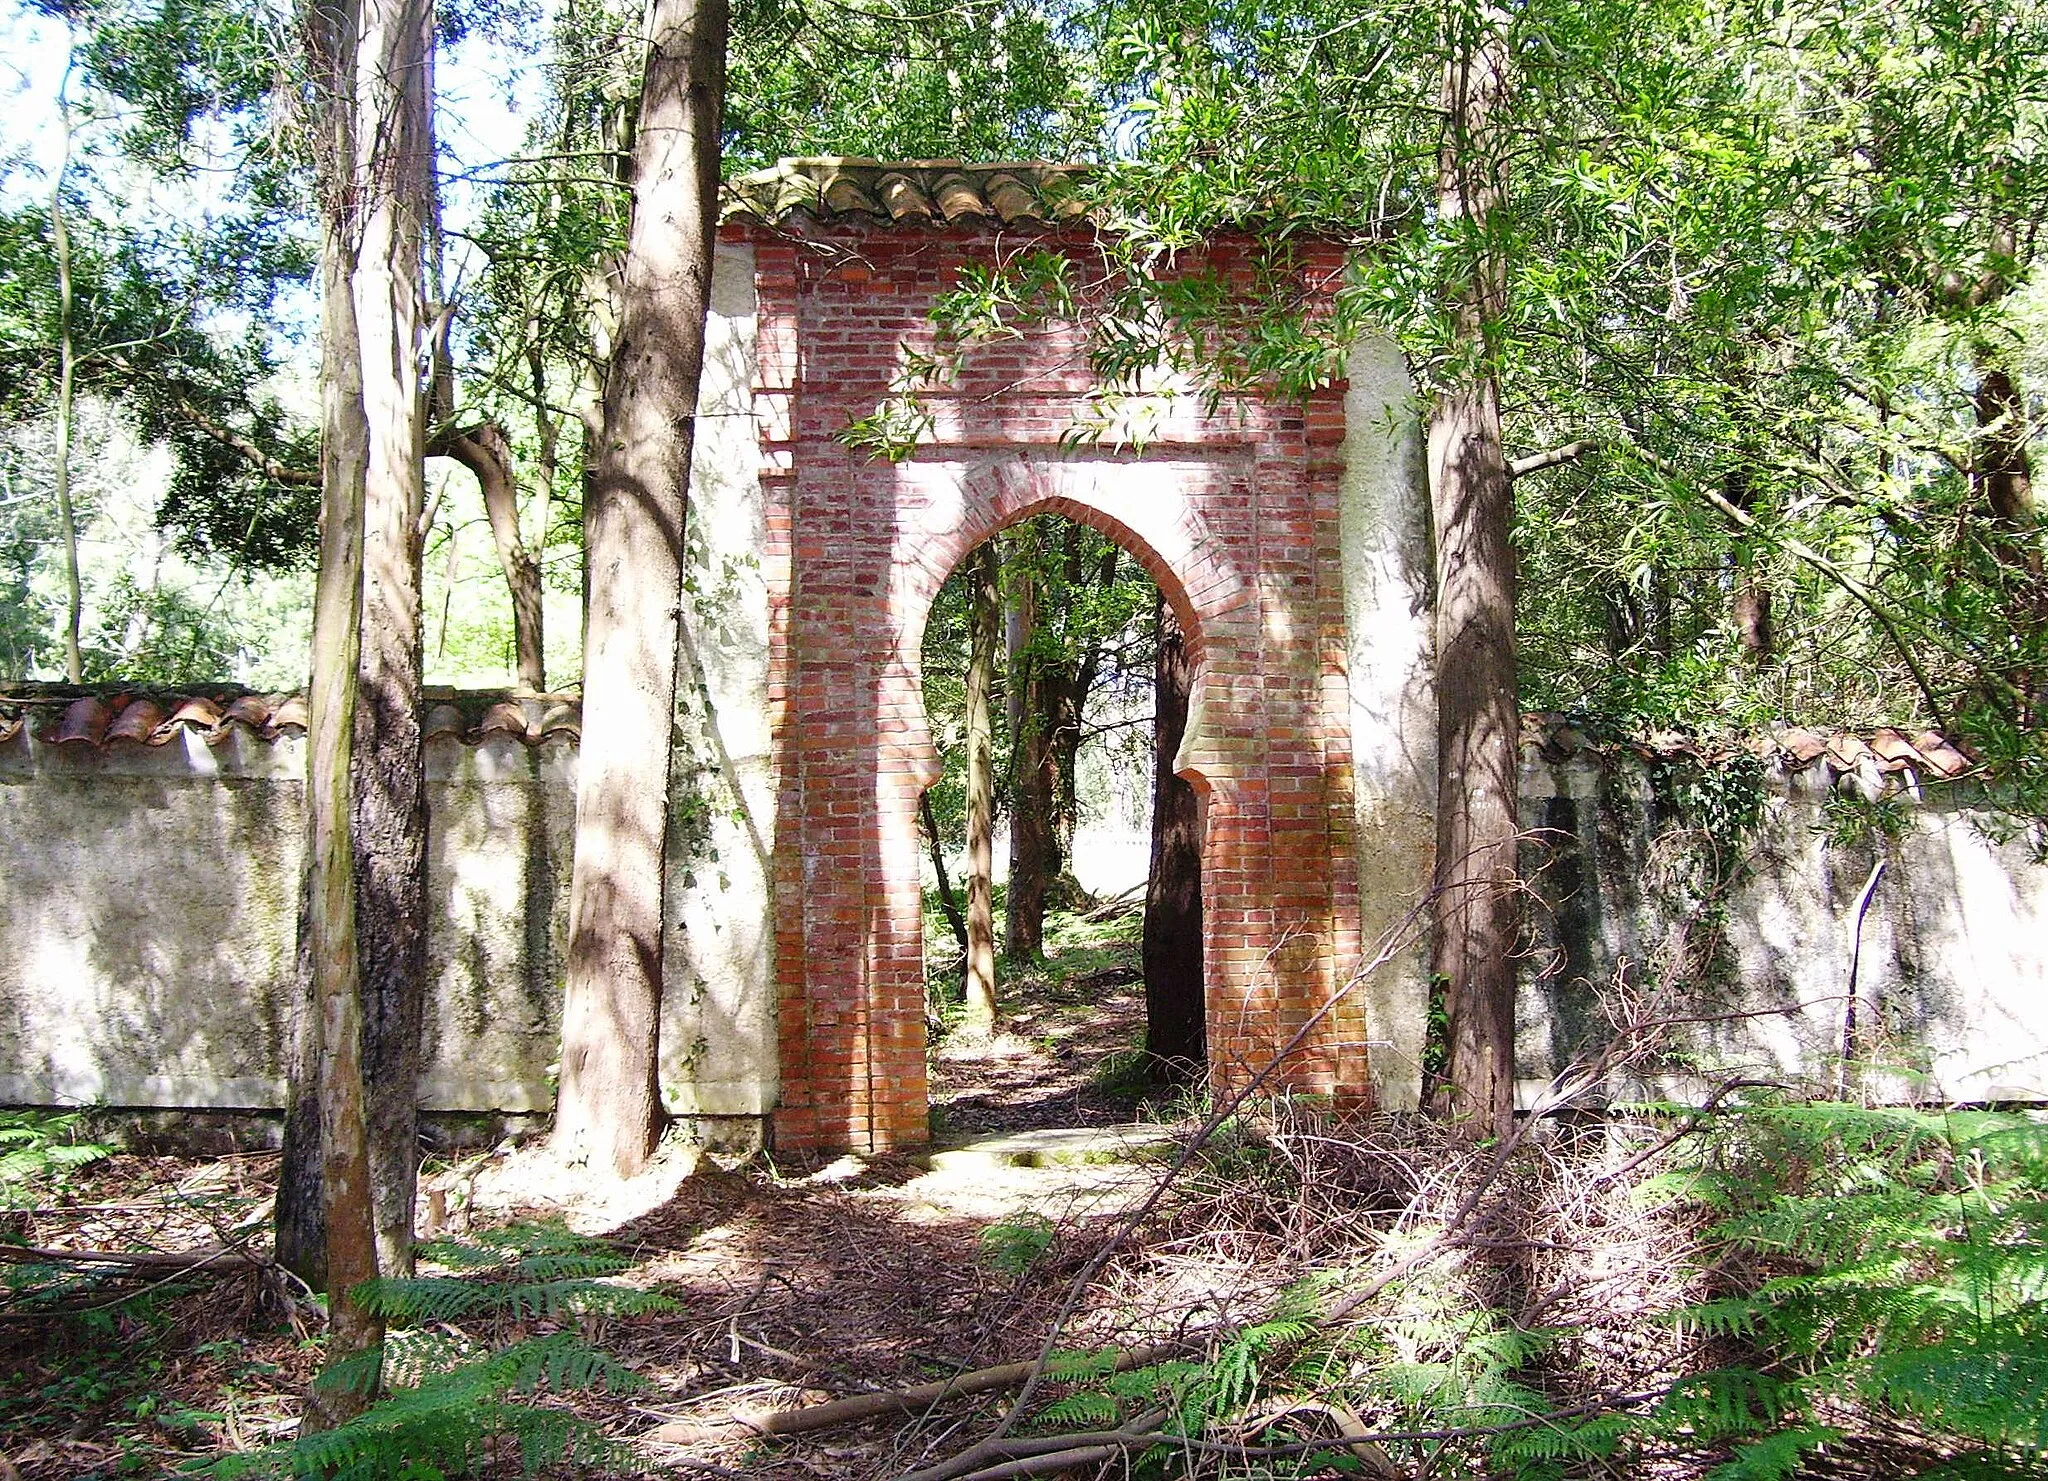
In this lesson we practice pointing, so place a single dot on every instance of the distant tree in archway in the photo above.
(1174, 1006)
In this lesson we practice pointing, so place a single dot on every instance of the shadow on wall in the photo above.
(1951, 980)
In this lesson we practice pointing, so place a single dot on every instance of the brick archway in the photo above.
(1131, 504)
(1281, 533)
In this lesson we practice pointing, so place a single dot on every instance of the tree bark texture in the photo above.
(984, 628)
(1479, 717)
(394, 173)
(1175, 1003)
(1034, 821)
(935, 846)
(610, 1108)
(331, 1028)
(67, 388)
(2001, 468)
(484, 451)
(1749, 611)
(1031, 793)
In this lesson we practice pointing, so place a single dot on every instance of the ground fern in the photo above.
(463, 1402)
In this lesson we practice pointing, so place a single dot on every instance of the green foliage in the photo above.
(459, 1406)
(38, 1150)
(1721, 799)
(1900, 1263)
(465, 1419)
(1853, 821)
(1015, 1244)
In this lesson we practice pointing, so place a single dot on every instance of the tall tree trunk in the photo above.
(610, 1106)
(67, 379)
(2001, 468)
(935, 845)
(1479, 718)
(1175, 1006)
(483, 450)
(1078, 683)
(1749, 611)
(339, 1215)
(1034, 820)
(394, 149)
(984, 624)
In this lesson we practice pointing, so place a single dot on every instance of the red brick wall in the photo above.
(1235, 516)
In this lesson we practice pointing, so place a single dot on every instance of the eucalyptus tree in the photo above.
(609, 1109)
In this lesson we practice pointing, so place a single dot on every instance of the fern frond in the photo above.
(1774, 1458)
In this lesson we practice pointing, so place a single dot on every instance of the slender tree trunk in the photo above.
(394, 150)
(328, 1220)
(1175, 1002)
(67, 383)
(1070, 705)
(2002, 470)
(1479, 718)
(610, 1107)
(1034, 819)
(984, 623)
(483, 450)
(1031, 759)
(937, 848)
(1749, 610)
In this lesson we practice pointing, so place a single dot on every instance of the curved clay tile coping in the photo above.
(905, 203)
(844, 194)
(1942, 758)
(198, 711)
(444, 719)
(1803, 746)
(293, 714)
(252, 710)
(562, 719)
(958, 199)
(137, 722)
(503, 718)
(83, 723)
(1013, 201)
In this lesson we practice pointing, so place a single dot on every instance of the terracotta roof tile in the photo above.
(1943, 758)
(95, 720)
(1846, 750)
(83, 723)
(562, 718)
(293, 714)
(252, 710)
(1897, 753)
(198, 712)
(139, 721)
(1803, 746)
(909, 192)
(502, 718)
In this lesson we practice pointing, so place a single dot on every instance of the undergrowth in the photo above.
(468, 1378)
(1791, 1286)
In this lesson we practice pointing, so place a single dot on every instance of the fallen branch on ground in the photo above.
(212, 1259)
(857, 1407)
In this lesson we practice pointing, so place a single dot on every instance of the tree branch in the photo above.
(1554, 457)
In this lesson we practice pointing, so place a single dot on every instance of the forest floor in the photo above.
(789, 1281)
(1069, 1050)
(1315, 1295)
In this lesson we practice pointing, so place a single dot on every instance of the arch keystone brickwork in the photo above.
(1280, 533)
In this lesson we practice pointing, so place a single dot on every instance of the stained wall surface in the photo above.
(1890, 916)
(146, 930)
(148, 915)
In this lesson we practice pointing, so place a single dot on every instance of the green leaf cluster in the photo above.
(463, 1404)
